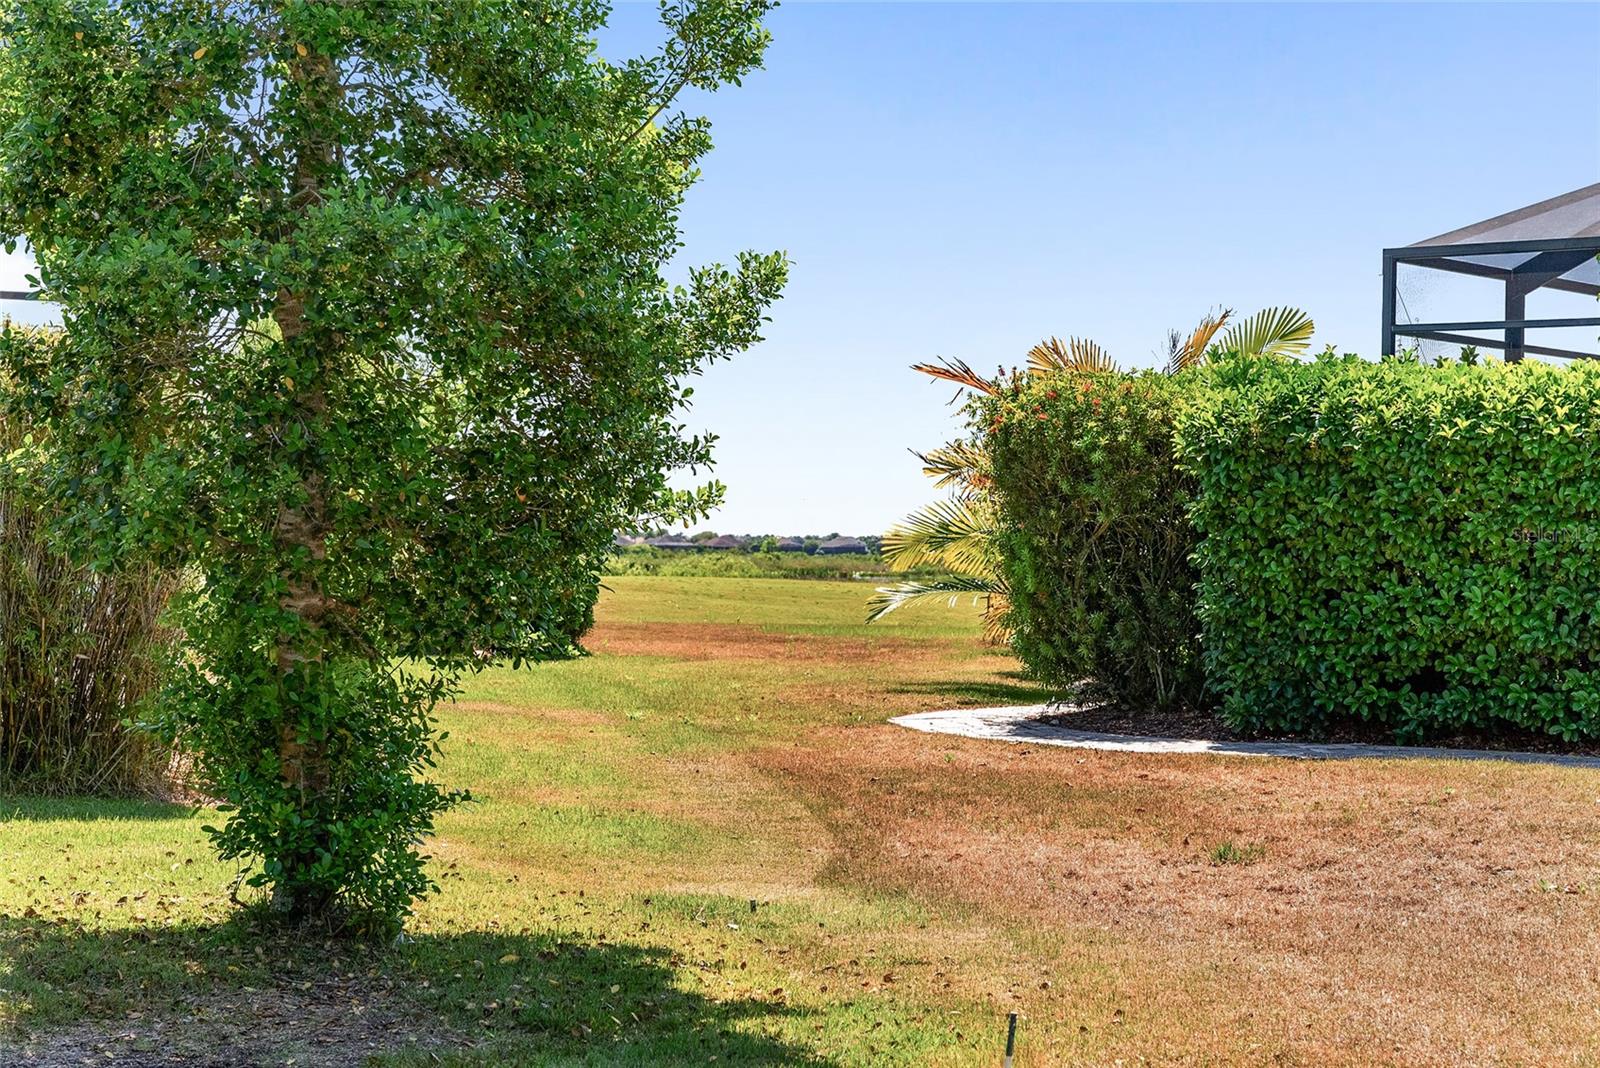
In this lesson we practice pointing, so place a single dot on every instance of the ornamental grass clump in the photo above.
(80, 652)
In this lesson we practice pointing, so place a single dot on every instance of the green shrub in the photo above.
(1406, 546)
(1093, 535)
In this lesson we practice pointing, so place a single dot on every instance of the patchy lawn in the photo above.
(702, 845)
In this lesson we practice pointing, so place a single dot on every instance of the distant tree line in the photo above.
(769, 543)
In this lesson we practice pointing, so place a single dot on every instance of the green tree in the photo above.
(365, 325)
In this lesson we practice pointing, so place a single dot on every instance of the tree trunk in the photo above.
(302, 526)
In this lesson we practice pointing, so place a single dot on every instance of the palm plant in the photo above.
(957, 534)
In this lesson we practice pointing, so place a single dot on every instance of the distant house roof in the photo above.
(790, 545)
(671, 542)
(843, 545)
(623, 541)
(726, 541)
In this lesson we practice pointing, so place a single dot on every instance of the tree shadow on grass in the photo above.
(970, 692)
(205, 996)
(20, 807)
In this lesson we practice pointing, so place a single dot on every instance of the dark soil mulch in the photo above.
(1111, 718)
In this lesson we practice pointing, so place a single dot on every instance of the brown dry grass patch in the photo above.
(1401, 912)
(1425, 912)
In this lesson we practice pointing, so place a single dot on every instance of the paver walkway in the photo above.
(1021, 723)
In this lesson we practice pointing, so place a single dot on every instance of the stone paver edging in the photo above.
(1021, 723)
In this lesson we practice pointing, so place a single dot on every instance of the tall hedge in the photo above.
(1413, 547)
(1094, 539)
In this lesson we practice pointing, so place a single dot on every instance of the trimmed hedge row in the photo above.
(1412, 547)
(1093, 541)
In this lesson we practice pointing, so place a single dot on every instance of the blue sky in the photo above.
(964, 179)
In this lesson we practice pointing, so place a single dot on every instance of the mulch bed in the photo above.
(1111, 718)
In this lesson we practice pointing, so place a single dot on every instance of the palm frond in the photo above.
(954, 534)
(957, 371)
(1270, 332)
(951, 590)
(959, 463)
(1193, 351)
(1075, 354)
(995, 610)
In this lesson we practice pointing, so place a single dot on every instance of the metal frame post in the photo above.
(1516, 312)
(1386, 345)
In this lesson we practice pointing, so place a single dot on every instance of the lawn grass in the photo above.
(703, 842)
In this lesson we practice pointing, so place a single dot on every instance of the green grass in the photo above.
(725, 745)
(1230, 853)
(837, 608)
(610, 861)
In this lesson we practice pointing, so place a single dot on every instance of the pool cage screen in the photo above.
(1546, 255)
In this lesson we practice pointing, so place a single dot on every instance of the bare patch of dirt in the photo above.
(322, 1024)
